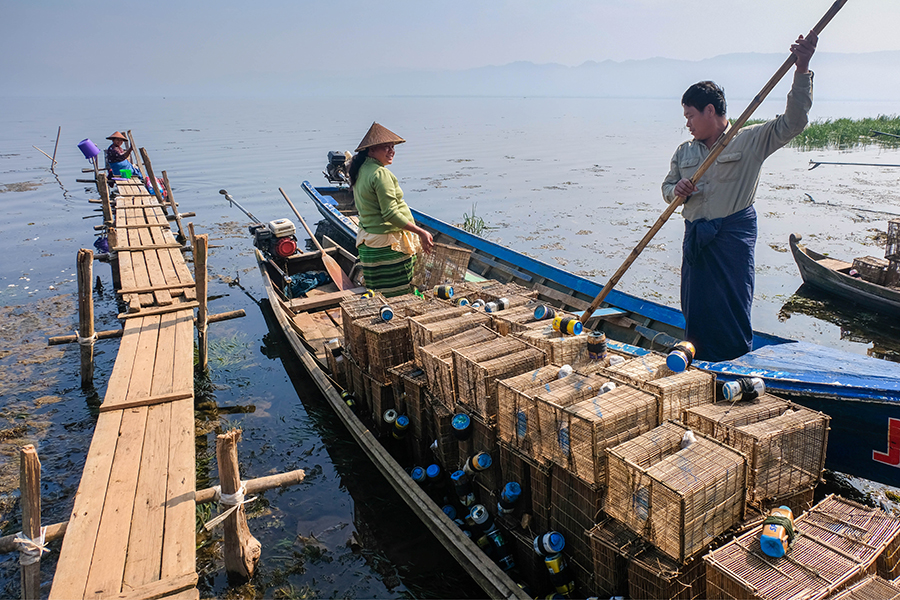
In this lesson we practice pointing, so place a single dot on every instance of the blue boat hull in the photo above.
(861, 394)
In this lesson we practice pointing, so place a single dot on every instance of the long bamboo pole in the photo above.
(180, 238)
(55, 147)
(154, 184)
(710, 159)
(30, 489)
(200, 244)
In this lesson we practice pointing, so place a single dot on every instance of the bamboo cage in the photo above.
(353, 310)
(388, 345)
(517, 319)
(561, 349)
(445, 264)
(517, 418)
(872, 587)
(553, 397)
(437, 361)
(534, 478)
(675, 391)
(799, 501)
(446, 448)
(575, 508)
(871, 269)
(784, 443)
(437, 325)
(380, 398)
(478, 367)
(652, 574)
(612, 546)
(579, 434)
(409, 384)
(679, 499)
(892, 247)
(528, 563)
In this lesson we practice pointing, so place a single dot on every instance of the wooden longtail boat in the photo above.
(861, 394)
(307, 325)
(833, 276)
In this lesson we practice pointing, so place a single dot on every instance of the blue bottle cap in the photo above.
(479, 514)
(577, 328)
(483, 461)
(549, 544)
(402, 422)
(461, 422)
(449, 511)
(540, 312)
(677, 361)
(457, 475)
(417, 474)
(512, 491)
(433, 471)
(771, 546)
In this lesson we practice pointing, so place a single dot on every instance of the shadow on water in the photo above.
(857, 324)
(392, 540)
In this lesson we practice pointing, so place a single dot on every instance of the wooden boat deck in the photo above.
(131, 531)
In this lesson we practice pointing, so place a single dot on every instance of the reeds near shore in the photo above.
(843, 134)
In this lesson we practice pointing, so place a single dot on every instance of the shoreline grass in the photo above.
(843, 134)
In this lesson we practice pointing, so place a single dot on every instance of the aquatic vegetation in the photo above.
(883, 130)
(475, 224)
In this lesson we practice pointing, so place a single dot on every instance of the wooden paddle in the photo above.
(710, 159)
(338, 276)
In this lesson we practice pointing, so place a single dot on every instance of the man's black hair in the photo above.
(702, 93)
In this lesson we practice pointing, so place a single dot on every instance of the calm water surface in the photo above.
(574, 182)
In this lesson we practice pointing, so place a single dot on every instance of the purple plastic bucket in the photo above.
(88, 148)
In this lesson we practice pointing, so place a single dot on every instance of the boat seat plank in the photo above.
(833, 263)
(322, 300)
(326, 325)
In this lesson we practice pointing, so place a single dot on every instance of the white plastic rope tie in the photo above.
(30, 550)
(86, 341)
(234, 501)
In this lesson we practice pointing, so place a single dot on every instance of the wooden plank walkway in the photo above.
(131, 532)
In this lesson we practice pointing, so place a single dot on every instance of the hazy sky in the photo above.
(73, 42)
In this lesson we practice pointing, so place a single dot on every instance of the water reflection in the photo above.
(857, 324)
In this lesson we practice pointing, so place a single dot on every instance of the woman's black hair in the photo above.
(355, 163)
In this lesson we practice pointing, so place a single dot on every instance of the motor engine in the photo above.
(336, 169)
(276, 239)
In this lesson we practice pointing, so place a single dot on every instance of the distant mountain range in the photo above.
(870, 76)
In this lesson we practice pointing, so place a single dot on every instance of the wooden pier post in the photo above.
(181, 239)
(103, 189)
(55, 148)
(86, 315)
(30, 490)
(153, 183)
(201, 243)
(242, 550)
(134, 152)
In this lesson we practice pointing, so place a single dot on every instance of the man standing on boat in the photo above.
(717, 269)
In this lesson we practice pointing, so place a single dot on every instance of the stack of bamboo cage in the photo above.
(437, 361)
(478, 367)
(784, 444)
(517, 408)
(561, 349)
(872, 587)
(410, 387)
(892, 254)
(482, 438)
(444, 264)
(534, 477)
(576, 506)
(871, 268)
(679, 499)
(841, 542)
(436, 325)
(517, 319)
(675, 391)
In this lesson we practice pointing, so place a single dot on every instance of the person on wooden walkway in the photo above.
(717, 270)
(117, 156)
(388, 238)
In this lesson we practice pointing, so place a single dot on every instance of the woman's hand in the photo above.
(427, 241)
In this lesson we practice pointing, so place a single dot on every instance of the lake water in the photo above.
(574, 182)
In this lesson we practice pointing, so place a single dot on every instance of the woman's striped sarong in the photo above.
(386, 270)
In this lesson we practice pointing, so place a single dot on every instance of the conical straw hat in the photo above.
(117, 135)
(378, 134)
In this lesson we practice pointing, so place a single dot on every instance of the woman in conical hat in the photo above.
(117, 156)
(388, 238)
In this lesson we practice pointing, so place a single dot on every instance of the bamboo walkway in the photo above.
(131, 532)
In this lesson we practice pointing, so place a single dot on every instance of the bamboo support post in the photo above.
(226, 316)
(201, 241)
(171, 199)
(103, 188)
(137, 158)
(55, 147)
(154, 185)
(242, 550)
(86, 315)
(44, 153)
(30, 489)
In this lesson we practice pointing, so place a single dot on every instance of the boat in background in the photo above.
(861, 394)
(833, 276)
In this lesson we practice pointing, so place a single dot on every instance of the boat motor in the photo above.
(275, 238)
(336, 169)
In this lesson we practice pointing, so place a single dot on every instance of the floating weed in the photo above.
(475, 224)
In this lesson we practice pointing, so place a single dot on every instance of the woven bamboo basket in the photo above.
(491, 291)
(447, 450)
(675, 391)
(409, 384)
(678, 499)
(872, 587)
(785, 443)
(381, 398)
(517, 418)
(868, 535)
(575, 508)
(353, 310)
(437, 361)
(871, 269)
(892, 274)
(478, 367)
(357, 385)
(434, 326)
(811, 569)
(652, 574)
(561, 349)
(444, 264)
(612, 545)
(534, 477)
(389, 345)
(528, 563)
(583, 431)
(892, 247)
(551, 399)
(516, 319)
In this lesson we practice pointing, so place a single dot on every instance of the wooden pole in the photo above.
(30, 489)
(153, 184)
(200, 247)
(242, 550)
(181, 238)
(70, 339)
(714, 152)
(137, 158)
(86, 315)
(42, 152)
(103, 188)
(53, 164)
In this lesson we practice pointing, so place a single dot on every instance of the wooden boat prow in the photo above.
(832, 275)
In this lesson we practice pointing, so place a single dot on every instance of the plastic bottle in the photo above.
(596, 346)
(476, 464)
(777, 532)
(567, 325)
(349, 399)
(461, 426)
(680, 357)
(560, 574)
(508, 498)
(401, 425)
(462, 487)
(745, 388)
(444, 292)
(386, 313)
